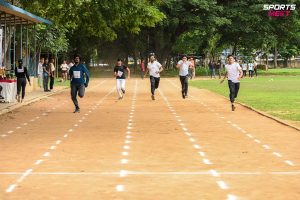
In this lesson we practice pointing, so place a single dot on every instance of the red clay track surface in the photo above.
(136, 148)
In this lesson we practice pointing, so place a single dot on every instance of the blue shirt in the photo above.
(77, 73)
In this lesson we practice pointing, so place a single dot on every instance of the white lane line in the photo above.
(24, 175)
(266, 146)
(47, 154)
(11, 188)
(38, 162)
(127, 141)
(249, 135)
(120, 188)
(184, 129)
(124, 161)
(257, 141)
(125, 153)
(129, 132)
(25, 124)
(18, 127)
(222, 117)
(187, 133)
(70, 130)
(229, 122)
(3, 135)
(234, 125)
(9, 132)
(192, 139)
(196, 146)
(123, 173)
(66, 135)
(289, 162)
(181, 124)
(128, 136)
(53, 147)
(232, 197)
(58, 142)
(206, 161)
(243, 131)
(277, 154)
(126, 147)
(202, 153)
(214, 173)
(222, 185)
(75, 125)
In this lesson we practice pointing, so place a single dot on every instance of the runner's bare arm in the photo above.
(241, 74)
(225, 76)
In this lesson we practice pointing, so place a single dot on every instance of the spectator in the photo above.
(52, 73)
(142, 66)
(64, 70)
(40, 72)
(46, 73)
(218, 68)
(250, 69)
(21, 73)
(244, 68)
(211, 66)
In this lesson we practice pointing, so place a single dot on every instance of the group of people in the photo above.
(46, 71)
(251, 67)
(215, 68)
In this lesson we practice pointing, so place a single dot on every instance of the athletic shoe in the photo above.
(123, 91)
(77, 110)
(19, 98)
(232, 107)
(120, 98)
(153, 97)
(183, 96)
(1, 97)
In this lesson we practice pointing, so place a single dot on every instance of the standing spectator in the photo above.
(78, 84)
(192, 68)
(40, 72)
(64, 70)
(234, 74)
(154, 68)
(52, 73)
(211, 66)
(218, 68)
(46, 74)
(119, 72)
(21, 73)
(142, 66)
(184, 65)
(255, 68)
(250, 69)
(244, 68)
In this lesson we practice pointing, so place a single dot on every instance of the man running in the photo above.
(119, 72)
(78, 83)
(154, 68)
(234, 73)
(184, 65)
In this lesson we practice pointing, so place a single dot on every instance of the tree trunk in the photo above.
(275, 57)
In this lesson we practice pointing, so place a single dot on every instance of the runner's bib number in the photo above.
(76, 74)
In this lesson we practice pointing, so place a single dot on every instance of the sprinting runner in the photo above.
(184, 65)
(78, 84)
(119, 72)
(154, 68)
(234, 73)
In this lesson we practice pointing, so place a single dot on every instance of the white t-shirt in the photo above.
(244, 66)
(64, 67)
(154, 68)
(250, 66)
(40, 68)
(184, 69)
(233, 72)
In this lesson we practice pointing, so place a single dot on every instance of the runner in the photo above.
(154, 68)
(234, 73)
(184, 65)
(78, 83)
(21, 73)
(119, 72)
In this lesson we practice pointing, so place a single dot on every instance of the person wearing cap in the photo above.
(184, 65)
(154, 68)
(78, 83)
(21, 73)
(119, 72)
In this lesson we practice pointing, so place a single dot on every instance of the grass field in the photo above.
(276, 95)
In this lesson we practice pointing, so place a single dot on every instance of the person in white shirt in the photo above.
(64, 70)
(154, 68)
(40, 72)
(250, 69)
(184, 65)
(234, 74)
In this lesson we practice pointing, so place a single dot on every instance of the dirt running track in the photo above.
(139, 149)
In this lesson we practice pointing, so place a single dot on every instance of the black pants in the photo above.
(45, 82)
(234, 90)
(244, 73)
(255, 72)
(250, 73)
(21, 84)
(77, 89)
(51, 82)
(154, 83)
(184, 84)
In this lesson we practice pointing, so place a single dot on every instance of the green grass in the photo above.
(282, 71)
(276, 95)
